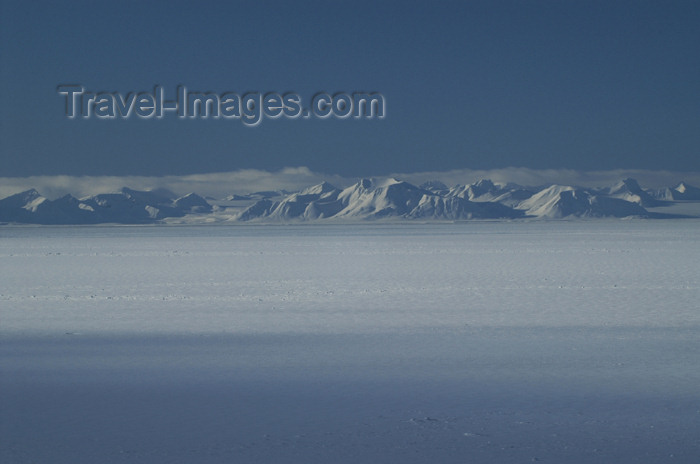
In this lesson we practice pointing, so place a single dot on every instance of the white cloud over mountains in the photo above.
(217, 184)
(220, 184)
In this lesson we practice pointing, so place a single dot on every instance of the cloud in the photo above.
(216, 185)
(220, 184)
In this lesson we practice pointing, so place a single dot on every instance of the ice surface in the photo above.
(482, 342)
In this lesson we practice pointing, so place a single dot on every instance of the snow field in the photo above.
(488, 342)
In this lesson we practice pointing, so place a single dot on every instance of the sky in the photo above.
(468, 85)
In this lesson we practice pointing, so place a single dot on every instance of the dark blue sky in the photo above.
(557, 84)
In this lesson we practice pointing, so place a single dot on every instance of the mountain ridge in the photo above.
(367, 199)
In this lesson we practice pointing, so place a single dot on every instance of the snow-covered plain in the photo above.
(483, 342)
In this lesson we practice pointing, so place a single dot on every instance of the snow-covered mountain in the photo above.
(435, 186)
(319, 201)
(559, 201)
(681, 192)
(372, 200)
(456, 208)
(124, 207)
(629, 190)
(485, 190)
(684, 191)
(368, 199)
(31, 207)
(192, 203)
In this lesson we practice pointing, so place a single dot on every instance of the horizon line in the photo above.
(243, 181)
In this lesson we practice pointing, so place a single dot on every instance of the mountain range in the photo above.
(368, 199)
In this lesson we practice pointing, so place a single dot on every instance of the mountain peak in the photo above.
(365, 183)
(19, 200)
(627, 184)
(686, 191)
(433, 186)
(628, 189)
(484, 183)
(193, 203)
(319, 189)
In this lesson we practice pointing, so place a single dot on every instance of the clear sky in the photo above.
(584, 85)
